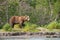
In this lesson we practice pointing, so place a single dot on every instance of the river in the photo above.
(27, 38)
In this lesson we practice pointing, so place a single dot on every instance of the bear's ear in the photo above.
(25, 15)
(28, 16)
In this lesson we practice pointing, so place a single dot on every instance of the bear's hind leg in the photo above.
(12, 25)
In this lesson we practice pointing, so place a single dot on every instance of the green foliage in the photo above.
(0, 27)
(7, 27)
(12, 7)
(54, 25)
(16, 28)
(58, 26)
(32, 3)
(30, 27)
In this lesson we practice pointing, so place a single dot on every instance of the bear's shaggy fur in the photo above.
(18, 20)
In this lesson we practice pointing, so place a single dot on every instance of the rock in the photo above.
(48, 36)
(15, 34)
(54, 36)
(41, 34)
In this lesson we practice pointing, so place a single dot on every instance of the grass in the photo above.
(54, 30)
(29, 27)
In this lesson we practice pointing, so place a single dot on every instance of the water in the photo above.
(29, 38)
(34, 39)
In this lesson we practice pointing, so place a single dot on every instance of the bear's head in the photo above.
(26, 18)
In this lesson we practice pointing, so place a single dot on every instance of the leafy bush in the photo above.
(0, 27)
(7, 27)
(58, 26)
(52, 25)
(30, 27)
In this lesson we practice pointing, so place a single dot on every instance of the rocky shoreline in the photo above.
(41, 34)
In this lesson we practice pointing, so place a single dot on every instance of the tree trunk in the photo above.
(51, 10)
(7, 10)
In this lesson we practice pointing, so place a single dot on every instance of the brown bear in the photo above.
(18, 20)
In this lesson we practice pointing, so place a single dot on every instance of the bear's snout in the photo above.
(28, 19)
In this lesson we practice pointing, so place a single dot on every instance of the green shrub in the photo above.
(29, 27)
(45, 26)
(0, 27)
(58, 26)
(52, 25)
(7, 27)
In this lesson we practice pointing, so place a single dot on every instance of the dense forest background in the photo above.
(41, 12)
